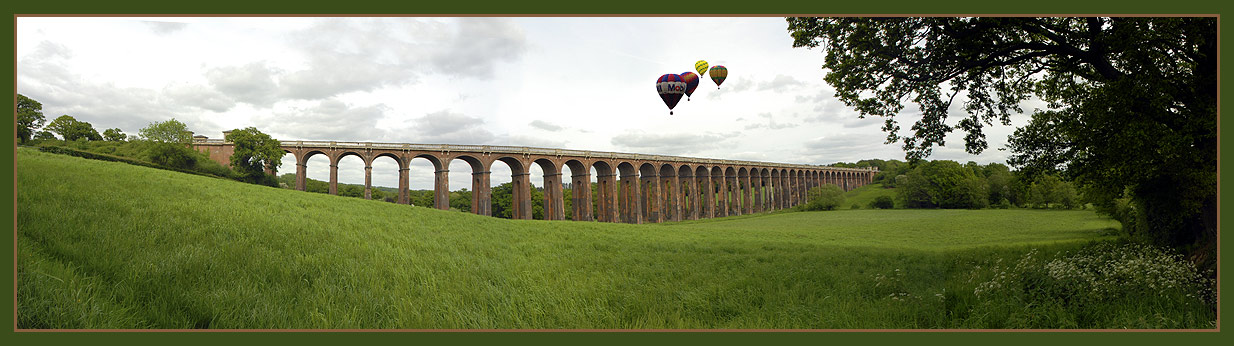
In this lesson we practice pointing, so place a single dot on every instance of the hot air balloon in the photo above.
(691, 80)
(701, 67)
(670, 87)
(718, 73)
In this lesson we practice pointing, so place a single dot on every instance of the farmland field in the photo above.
(109, 245)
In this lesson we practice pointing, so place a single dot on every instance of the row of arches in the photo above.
(630, 191)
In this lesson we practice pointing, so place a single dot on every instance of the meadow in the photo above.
(111, 245)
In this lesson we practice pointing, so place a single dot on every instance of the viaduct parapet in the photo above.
(632, 188)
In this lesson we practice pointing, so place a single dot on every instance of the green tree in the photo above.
(502, 198)
(71, 129)
(461, 200)
(943, 184)
(170, 131)
(167, 143)
(29, 117)
(998, 179)
(1049, 191)
(114, 135)
(826, 197)
(254, 153)
(1131, 101)
(44, 135)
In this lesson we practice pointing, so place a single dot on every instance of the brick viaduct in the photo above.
(651, 188)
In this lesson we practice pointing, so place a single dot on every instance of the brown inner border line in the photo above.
(14, 135)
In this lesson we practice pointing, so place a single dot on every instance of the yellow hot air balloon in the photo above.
(701, 66)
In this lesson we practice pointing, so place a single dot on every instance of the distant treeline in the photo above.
(949, 184)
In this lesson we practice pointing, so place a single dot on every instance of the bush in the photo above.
(51, 148)
(172, 155)
(1003, 204)
(206, 165)
(826, 197)
(882, 202)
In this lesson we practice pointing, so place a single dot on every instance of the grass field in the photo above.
(109, 245)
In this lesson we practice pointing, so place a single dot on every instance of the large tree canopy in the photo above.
(72, 129)
(170, 131)
(29, 117)
(1131, 101)
(255, 152)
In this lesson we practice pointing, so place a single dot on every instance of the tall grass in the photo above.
(109, 245)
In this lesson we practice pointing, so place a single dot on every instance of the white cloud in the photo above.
(446, 127)
(251, 83)
(544, 125)
(671, 143)
(780, 83)
(164, 28)
(325, 120)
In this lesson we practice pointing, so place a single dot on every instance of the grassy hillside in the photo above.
(109, 245)
(862, 196)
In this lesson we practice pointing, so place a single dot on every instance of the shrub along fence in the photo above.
(105, 157)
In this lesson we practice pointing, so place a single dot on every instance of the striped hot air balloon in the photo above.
(691, 80)
(670, 87)
(701, 67)
(718, 73)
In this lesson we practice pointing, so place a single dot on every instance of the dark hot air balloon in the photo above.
(670, 87)
(691, 80)
(718, 73)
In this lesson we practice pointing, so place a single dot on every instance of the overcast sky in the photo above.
(577, 83)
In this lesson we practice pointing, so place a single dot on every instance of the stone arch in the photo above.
(580, 190)
(689, 192)
(439, 198)
(731, 194)
(302, 164)
(400, 170)
(706, 194)
(607, 187)
(774, 185)
(630, 201)
(334, 162)
(764, 179)
(520, 207)
(670, 193)
(794, 187)
(553, 208)
(481, 187)
(800, 183)
(814, 179)
(295, 156)
(745, 190)
(718, 190)
(649, 188)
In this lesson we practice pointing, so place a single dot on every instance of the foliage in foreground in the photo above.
(1131, 102)
(1106, 285)
(128, 247)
